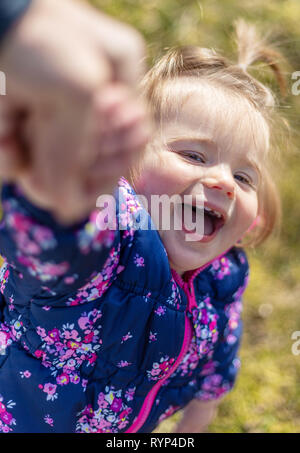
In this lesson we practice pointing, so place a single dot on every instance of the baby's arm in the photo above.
(197, 416)
(53, 250)
(47, 260)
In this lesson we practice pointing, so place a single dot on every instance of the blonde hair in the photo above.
(208, 65)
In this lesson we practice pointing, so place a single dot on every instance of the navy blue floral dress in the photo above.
(98, 334)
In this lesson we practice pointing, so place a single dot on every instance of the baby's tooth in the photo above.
(217, 214)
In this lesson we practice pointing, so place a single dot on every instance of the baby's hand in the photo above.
(197, 416)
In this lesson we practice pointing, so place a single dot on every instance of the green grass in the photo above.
(267, 396)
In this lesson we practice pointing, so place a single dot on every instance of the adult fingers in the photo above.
(12, 158)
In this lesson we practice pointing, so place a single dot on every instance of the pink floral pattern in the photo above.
(111, 414)
(64, 351)
(6, 338)
(213, 384)
(160, 369)
(139, 261)
(98, 283)
(205, 327)
(220, 268)
(91, 238)
(7, 421)
(174, 299)
(130, 206)
(213, 387)
(31, 240)
(4, 275)
(190, 360)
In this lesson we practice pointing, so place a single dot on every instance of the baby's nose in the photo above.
(222, 182)
(229, 193)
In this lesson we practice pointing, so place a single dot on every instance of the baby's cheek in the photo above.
(249, 211)
(162, 179)
(174, 177)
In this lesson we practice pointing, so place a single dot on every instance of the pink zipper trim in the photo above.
(188, 288)
(149, 400)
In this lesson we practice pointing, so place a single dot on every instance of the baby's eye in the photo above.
(194, 156)
(244, 179)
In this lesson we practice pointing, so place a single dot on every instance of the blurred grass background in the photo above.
(267, 394)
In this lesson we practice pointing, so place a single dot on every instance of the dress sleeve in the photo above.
(43, 257)
(219, 374)
(10, 12)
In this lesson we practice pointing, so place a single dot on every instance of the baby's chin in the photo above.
(187, 256)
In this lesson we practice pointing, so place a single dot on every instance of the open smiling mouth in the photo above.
(208, 220)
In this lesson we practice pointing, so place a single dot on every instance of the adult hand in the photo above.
(70, 109)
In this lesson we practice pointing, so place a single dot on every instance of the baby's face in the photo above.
(211, 146)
